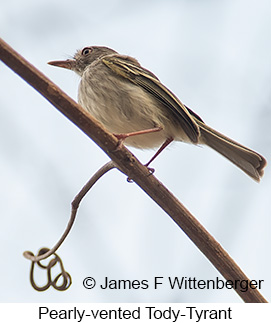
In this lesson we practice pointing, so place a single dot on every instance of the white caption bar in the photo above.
(132, 312)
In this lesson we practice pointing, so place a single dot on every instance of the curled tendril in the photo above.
(67, 281)
(45, 252)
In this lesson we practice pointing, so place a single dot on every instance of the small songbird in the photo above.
(132, 103)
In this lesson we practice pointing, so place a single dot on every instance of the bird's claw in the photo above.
(151, 171)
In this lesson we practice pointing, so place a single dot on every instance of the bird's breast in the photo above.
(123, 107)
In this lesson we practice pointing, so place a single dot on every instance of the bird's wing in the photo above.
(131, 70)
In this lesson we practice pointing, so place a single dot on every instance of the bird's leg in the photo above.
(165, 144)
(122, 136)
(151, 170)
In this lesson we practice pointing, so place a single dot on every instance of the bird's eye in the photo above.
(86, 51)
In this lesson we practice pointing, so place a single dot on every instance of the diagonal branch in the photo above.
(128, 164)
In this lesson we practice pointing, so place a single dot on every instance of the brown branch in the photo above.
(129, 165)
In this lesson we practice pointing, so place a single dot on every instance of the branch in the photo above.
(128, 164)
(74, 207)
(45, 252)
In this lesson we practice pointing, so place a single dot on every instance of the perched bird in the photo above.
(132, 103)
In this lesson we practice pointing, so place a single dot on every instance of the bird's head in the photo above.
(83, 58)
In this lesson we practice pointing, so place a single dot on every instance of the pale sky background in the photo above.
(215, 56)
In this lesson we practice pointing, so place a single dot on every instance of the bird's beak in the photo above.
(69, 64)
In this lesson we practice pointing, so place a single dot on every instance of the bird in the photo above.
(132, 103)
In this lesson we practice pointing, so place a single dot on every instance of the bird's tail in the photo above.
(246, 159)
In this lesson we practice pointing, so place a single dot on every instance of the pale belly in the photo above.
(126, 108)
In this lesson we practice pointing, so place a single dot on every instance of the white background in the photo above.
(215, 56)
